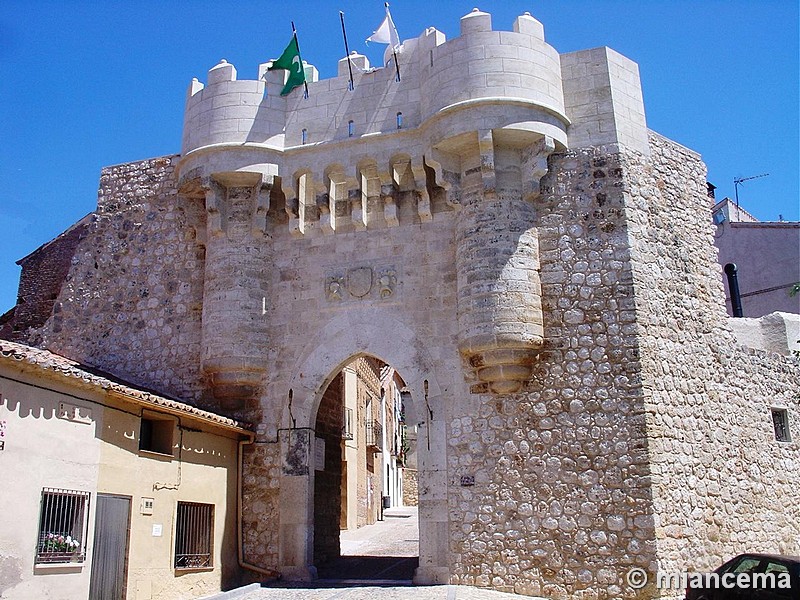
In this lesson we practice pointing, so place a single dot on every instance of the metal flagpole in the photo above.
(394, 51)
(300, 58)
(347, 51)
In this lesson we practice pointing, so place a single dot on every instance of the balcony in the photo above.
(374, 435)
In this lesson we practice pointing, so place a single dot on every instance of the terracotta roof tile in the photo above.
(48, 361)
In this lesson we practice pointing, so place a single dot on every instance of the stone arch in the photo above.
(344, 337)
(354, 334)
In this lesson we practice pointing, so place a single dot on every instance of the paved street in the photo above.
(439, 592)
(377, 562)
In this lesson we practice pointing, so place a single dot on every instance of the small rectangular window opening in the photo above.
(194, 536)
(63, 526)
(780, 422)
(351, 129)
(399, 120)
(156, 435)
(304, 136)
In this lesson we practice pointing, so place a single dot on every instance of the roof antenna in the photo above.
(739, 180)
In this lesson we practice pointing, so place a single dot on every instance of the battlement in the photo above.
(483, 79)
(438, 76)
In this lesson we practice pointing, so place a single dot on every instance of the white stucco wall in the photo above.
(41, 450)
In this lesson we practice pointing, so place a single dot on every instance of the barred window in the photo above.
(780, 422)
(194, 535)
(63, 526)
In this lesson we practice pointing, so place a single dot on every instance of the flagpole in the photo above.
(394, 52)
(347, 51)
(300, 58)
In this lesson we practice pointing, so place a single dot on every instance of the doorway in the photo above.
(110, 548)
(364, 526)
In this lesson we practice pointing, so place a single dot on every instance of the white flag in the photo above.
(386, 33)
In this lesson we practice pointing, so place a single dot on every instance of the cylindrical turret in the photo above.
(497, 260)
(235, 288)
(482, 64)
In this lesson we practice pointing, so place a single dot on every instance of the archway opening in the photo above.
(366, 524)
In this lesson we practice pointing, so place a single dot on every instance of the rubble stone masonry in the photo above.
(135, 288)
(537, 266)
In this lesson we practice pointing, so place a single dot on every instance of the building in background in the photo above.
(358, 451)
(767, 259)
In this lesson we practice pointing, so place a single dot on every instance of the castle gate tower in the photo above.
(500, 227)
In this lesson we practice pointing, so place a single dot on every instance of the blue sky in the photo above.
(85, 84)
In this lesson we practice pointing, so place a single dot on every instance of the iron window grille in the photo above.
(374, 434)
(63, 526)
(194, 535)
(347, 427)
(780, 422)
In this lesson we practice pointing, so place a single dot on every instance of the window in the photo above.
(304, 136)
(63, 525)
(374, 434)
(351, 129)
(347, 427)
(194, 535)
(399, 120)
(780, 422)
(155, 434)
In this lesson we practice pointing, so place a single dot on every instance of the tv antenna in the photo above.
(737, 181)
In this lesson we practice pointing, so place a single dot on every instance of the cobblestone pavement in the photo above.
(438, 592)
(396, 536)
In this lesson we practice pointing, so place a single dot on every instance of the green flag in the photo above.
(290, 61)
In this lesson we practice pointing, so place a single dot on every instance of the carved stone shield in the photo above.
(359, 281)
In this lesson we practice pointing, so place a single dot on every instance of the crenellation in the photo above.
(528, 25)
(536, 264)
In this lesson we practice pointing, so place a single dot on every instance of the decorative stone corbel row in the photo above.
(421, 192)
(314, 201)
(446, 176)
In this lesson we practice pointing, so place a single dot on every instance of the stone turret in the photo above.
(235, 292)
(497, 258)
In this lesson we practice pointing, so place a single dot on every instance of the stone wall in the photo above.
(260, 496)
(44, 272)
(410, 487)
(132, 300)
(721, 482)
(560, 504)
(619, 454)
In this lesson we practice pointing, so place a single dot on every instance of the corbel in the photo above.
(215, 204)
(262, 192)
(534, 166)
(421, 191)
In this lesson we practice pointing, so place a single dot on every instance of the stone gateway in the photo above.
(502, 229)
